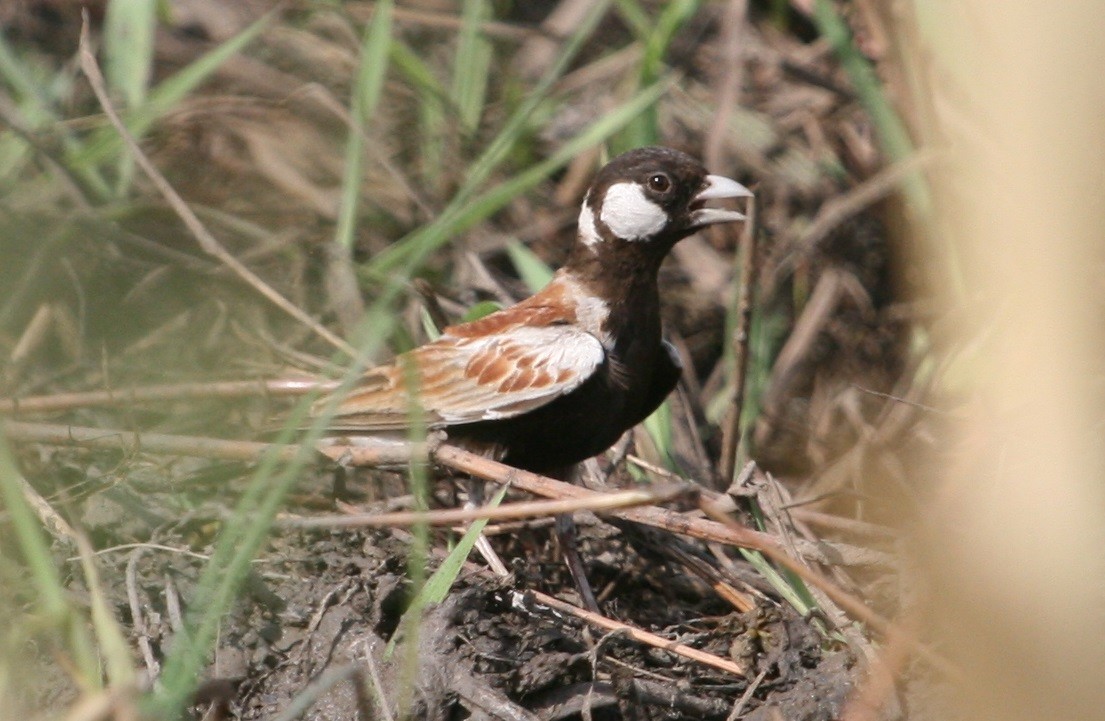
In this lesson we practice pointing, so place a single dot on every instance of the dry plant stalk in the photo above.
(749, 271)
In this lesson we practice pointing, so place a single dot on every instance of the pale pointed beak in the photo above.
(717, 187)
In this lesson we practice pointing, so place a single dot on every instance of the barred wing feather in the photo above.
(465, 379)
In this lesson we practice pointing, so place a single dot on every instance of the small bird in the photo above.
(560, 376)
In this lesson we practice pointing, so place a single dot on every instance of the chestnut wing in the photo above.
(466, 379)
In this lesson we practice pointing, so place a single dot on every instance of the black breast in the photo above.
(574, 427)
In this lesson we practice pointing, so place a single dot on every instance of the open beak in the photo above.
(717, 187)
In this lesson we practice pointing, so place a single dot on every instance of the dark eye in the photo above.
(659, 182)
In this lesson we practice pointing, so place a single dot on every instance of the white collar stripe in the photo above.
(588, 233)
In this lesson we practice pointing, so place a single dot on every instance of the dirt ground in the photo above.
(320, 607)
(313, 622)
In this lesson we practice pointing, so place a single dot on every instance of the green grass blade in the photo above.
(438, 584)
(498, 149)
(374, 53)
(410, 625)
(416, 71)
(247, 529)
(796, 595)
(893, 136)
(36, 106)
(788, 585)
(657, 37)
(22, 80)
(428, 326)
(658, 427)
(412, 250)
(472, 67)
(171, 91)
(892, 133)
(532, 270)
(367, 87)
(32, 103)
(51, 596)
(111, 641)
(128, 38)
(481, 309)
(432, 100)
(635, 17)
(166, 96)
(238, 543)
(673, 17)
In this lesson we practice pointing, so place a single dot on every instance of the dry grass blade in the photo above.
(118, 703)
(637, 634)
(382, 454)
(54, 523)
(599, 503)
(742, 333)
(729, 83)
(288, 387)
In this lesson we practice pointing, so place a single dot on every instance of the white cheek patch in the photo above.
(629, 214)
(588, 233)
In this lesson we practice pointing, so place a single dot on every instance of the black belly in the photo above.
(574, 427)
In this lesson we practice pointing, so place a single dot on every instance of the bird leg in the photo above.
(566, 535)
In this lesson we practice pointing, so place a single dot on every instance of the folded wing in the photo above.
(461, 379)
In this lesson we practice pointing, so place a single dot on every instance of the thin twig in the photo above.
(738, 707)
(481, 467)
(33, 336)
(316, 689)
(447, 517)
(378, 688)
(151, 546)
(206, 241)
(728, 88)
(842, 524)
(138, 619)
(381, 453)
(731, 436)
(827, 294)
(51, 520)
(637, 634)
(172, 607)
(277, 388)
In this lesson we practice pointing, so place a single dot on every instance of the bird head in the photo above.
(653, 196)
